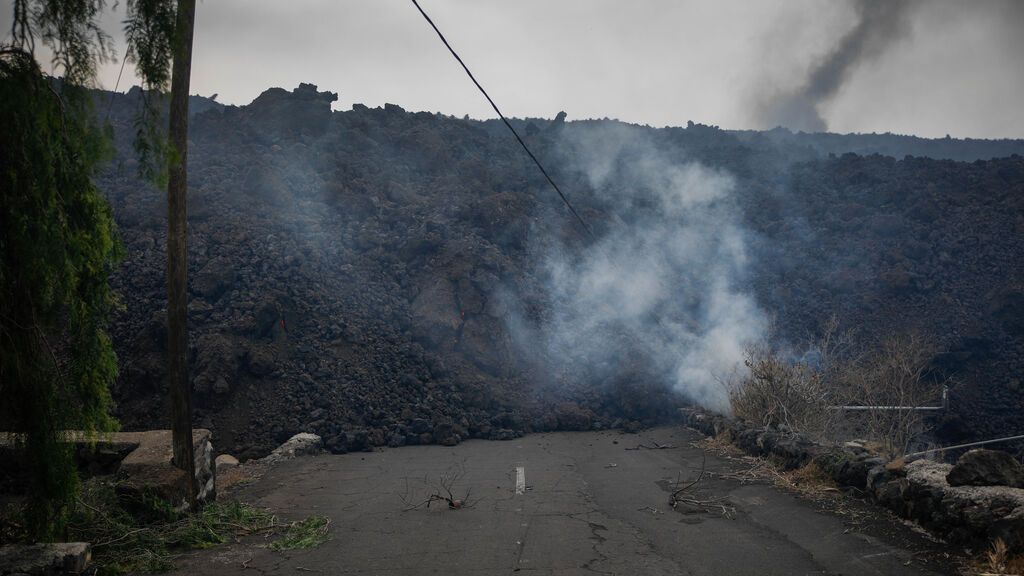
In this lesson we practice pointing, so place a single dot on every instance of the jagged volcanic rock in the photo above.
(352, 274)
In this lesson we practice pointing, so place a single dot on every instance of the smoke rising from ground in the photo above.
(880, 23)
(660, 295)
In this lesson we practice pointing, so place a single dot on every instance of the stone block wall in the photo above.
(918, 491)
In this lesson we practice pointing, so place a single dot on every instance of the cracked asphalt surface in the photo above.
(590, 507)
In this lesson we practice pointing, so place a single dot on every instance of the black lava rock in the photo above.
(986, 468)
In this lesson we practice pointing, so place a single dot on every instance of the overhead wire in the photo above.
(110, 103)
(519, 139)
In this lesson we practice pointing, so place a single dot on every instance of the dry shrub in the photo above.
(791, 394)
(893, 374)
(804, 395)
(780, 394)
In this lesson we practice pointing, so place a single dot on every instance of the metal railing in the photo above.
(968, 445)
(944, 406)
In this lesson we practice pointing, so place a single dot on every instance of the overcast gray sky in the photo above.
(955, 67)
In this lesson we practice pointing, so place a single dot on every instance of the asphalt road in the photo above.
(561, 503)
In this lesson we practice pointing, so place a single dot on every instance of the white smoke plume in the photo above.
(664, 284)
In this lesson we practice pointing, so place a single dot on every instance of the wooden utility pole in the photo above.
(177, 253)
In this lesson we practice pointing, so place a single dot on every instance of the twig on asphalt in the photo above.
(442, 491)
(680, 497)
(654, 446)
(679, 491)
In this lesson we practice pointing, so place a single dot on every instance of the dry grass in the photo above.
(997, 561)
(810, 481)
(719, 446)
(231, 479)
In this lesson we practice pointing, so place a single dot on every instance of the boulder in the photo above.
(45, 559)
(225, 461)
(986, 468)
(376, 437)
(214, 278)
(419, 426)
(337, 444)
(436, 314)
(359, 441)
(261, 360)
(503, 434)
(218, 358)
(850, 467)
(444, 434)
(302, 444)
(572, 417)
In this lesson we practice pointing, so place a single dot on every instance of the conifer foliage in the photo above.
(58, 241)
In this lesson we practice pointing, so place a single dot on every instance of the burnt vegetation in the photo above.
(353, 273)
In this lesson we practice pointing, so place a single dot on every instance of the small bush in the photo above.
(895, 373)
(781, 394)
(807, 395)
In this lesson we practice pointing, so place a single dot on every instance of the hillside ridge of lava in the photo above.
(353, 273)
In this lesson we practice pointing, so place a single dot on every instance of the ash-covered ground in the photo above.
(378, 276)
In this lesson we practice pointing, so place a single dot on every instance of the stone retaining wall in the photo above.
(140, 460)
(968, 515)
(148, 468)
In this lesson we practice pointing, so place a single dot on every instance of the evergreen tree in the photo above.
(58, 240)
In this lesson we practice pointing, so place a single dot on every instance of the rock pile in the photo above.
(359, 274)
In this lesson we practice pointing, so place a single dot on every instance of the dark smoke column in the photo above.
(879, 24)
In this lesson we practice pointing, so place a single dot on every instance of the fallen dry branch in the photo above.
(653, 446)
(754, 470)
(681, 496)
(444, 490)
(714, 505)
(679, 491)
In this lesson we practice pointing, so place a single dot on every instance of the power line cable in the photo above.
(110, 103)
(503, 119)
